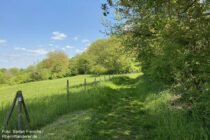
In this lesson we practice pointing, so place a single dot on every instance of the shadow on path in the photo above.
(122, 114)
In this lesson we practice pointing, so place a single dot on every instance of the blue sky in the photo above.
(29, 29)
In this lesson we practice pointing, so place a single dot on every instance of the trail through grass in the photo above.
(130, 108)
(72, 126)
(125, 108)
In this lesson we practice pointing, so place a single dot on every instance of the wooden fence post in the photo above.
(2, 107)
(67, 88)
(95, 81)
(85, 84)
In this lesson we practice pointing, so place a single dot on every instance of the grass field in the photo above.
(47, 100)
(44, 88)
(127, 107)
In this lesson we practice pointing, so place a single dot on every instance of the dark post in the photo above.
(2, 106)
(85, 84)
(104, 78)
(95, 81)
(67, 88)
(19, 98)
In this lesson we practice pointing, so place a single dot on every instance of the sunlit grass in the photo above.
(142, 110)
(47, 100)
(127, 107)
(44, 88)
(46, 109)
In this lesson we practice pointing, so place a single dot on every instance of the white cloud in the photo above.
(39, 51)
(51, 45)
(85, 41)
(58, 36)
(69, 47)
(13, 55)
(3, 42)
(78, 51)
(20, 49)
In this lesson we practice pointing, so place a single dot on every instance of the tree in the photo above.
(98, 69)
(172, 40)
(83, 63)
(103, 56)
(57, 63)
(40, 74)
(73, 67)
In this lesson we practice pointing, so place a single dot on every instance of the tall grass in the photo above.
(139, 109)
(47, 100)
(127, 107)
(46, 109)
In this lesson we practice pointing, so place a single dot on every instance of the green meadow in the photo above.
(45, 88)
(40, 94)
(124, 107)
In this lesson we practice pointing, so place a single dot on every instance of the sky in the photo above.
(29, 29)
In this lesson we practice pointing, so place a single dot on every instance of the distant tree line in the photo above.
(104, 56)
